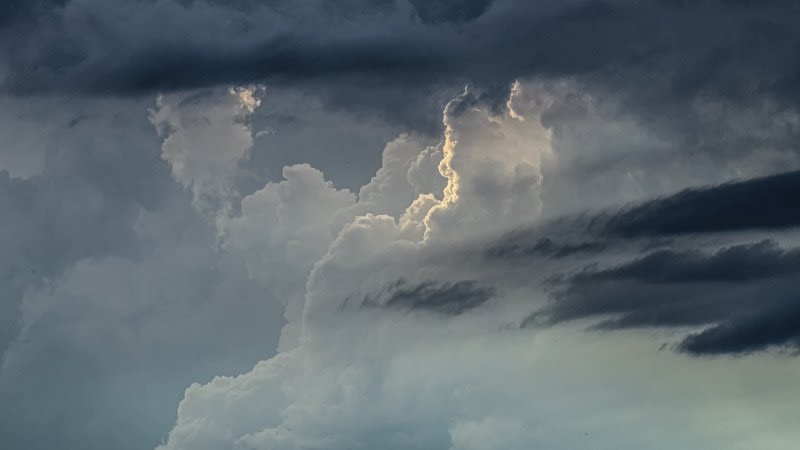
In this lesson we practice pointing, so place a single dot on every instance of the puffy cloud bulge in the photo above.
(401, 333)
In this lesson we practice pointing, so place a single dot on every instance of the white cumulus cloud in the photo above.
(356, 371)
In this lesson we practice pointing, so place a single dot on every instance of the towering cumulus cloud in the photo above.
(402, 334)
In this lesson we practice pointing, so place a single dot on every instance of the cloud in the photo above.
(296, 127)
(438, 11)
(83, 203)
(114, 291)
(21, 10)
(410, 50)
(746, 205)
(445, 298)
(518, 245)
(25, 140)
(754, 205)
(734, 288)
(772, 328)
(686, 261)
(285, 228)
(488, 192)
(205, 139)
(609, 149)
(369, 251)
(129, 331)
(404, 174)
(400, 374)
(631, 118)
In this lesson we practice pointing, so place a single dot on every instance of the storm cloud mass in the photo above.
(399, 224)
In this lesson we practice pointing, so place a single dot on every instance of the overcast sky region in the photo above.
(399, 224)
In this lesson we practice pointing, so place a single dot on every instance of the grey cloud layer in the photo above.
(744, 292)
(679, 276)
(82, 205)
(664, 51)
(757, 204)
(111, 284)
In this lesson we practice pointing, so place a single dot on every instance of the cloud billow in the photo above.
(404, 323)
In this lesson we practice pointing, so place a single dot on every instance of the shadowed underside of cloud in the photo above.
(401, 60)
(516, 247)
(758, 204)
(745, 292)
(440, 297)
(87, 46)
(773, 327)
(438, 11)
(671, 273)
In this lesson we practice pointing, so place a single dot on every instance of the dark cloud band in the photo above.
(744, 292)
(758, 204)
(449, 298)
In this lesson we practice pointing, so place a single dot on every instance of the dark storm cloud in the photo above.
(671, 274)
(401, 60)
(450, 298)
(437, 11)
(778, 327)
(758, 204)
(741, 263)
(26, 10)
(746, 292)
(729, 49)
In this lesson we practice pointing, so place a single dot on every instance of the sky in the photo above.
(399, 224)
